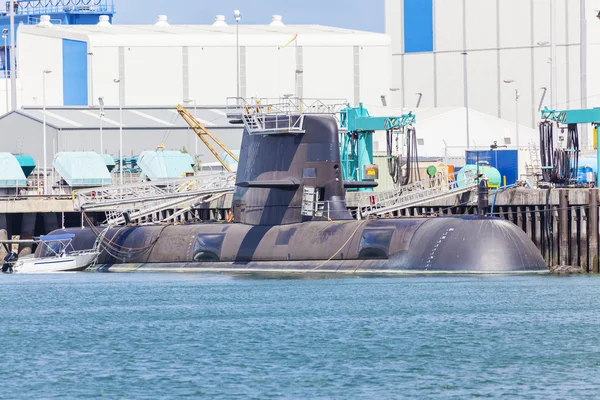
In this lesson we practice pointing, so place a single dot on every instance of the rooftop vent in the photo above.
(220, 20)
(276, 20)
(44, 21)
(104, 20)
(161, 21)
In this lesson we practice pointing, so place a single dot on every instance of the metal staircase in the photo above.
(438, 187)
(142, 200)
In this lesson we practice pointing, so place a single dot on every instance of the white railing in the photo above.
(127, 196)
(282, 115)
(438, 187)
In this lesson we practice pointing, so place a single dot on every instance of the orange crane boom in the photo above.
(201, 131)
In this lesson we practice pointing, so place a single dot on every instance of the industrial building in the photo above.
(163, 64)
(477, 53)
(90, 129)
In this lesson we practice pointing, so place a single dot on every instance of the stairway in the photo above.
(439, 187)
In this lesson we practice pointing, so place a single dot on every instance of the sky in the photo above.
(364, 15)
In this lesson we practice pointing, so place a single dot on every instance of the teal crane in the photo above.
(357, 140)
(578, 116)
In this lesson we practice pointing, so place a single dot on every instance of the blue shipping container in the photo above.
(505, 161)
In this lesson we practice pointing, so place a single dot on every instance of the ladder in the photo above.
(436, 188)
(534, 156)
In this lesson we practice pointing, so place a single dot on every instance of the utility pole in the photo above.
(13, 62)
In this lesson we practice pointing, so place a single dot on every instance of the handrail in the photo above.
(440, 186)
(40, 7)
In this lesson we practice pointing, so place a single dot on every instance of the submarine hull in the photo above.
(468, 244)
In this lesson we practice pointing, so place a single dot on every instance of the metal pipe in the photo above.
(553, 76)
(92, 76)
(46, 72)
(583, 70)
(517, 117)
(13, 62)
(5, 36)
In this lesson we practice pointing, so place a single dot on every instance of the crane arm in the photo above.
(200, 131)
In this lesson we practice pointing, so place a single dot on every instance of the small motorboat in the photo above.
(55, 253)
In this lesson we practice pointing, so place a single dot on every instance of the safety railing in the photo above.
(40, 7)
(149, 193)
(282, 115)
(438, 187)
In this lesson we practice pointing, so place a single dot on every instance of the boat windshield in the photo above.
(54, 245)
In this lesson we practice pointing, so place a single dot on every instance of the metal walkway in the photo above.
(145, 199)
(439, 187)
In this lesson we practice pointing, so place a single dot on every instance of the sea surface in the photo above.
(153, 336)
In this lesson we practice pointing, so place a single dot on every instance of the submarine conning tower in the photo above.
(287, 176)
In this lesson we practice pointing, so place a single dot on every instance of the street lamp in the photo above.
(552, 88)
(91, 76)
(238, 16)
(466, 96)
(509, 81)
(193, 101)
(419, 100)
(5, 36)
(101, 102)
(46, 72)
(118, 82)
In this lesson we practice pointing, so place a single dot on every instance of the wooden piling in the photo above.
(554, 244)
(563, 221)
(593, 234)
(583, 240)
(573, 236)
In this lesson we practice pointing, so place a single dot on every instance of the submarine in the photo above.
(281, 176)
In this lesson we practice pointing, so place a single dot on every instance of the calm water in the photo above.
(175, 335)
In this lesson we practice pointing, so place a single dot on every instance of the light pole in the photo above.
(13, 60)
(46, 72)
(238, 16)
(91, 76)
(509, 81)
(118, 82)
(101, 102)
(551, 85)
(5, 36)
(466, 95)
(193, 101)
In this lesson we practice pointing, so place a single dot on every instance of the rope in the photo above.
(340, 249)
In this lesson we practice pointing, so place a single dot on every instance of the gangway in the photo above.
(436, 188)
(143, 199)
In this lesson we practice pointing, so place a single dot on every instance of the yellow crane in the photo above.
(201, 131)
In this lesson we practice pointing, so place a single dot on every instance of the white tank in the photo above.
(104, 20)
(219, 21)
(276, 20)
(161, 21)
(44, 21)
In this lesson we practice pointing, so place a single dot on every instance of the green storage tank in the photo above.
(491, 173)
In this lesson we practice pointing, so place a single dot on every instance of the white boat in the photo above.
(55, 254)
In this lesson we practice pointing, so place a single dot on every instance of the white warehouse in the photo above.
(476, 53)
(146, 65)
